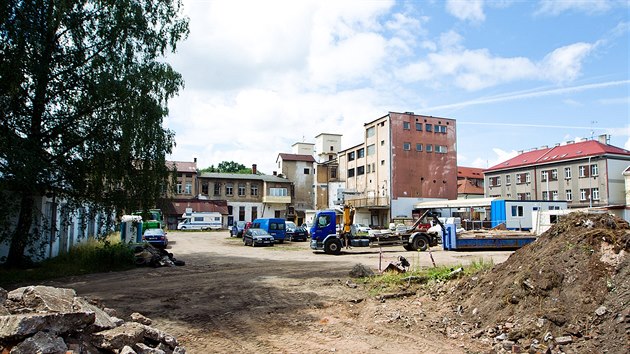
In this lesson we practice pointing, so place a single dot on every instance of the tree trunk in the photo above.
(22, 231)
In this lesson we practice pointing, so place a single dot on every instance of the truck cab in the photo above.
(324, 232)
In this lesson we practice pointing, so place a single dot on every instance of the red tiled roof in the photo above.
(182, 166)
(559, 153)
(469, 172)
(296, 157)
(179, 206)
(466, 187)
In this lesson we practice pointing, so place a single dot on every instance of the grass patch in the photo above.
(391, 282)
(91, 256)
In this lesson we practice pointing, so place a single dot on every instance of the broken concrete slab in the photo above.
(41, 343)
(14, 327)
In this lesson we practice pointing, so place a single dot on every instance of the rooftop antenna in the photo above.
(593, 122)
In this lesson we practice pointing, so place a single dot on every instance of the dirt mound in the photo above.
(568, 291)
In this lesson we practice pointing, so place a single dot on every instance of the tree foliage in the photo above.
(83, 93)
(228, 167)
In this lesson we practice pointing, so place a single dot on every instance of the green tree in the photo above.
(228, 167)
(83, 92)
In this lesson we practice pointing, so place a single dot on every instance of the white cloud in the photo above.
(469, 10)
(556, 7)
(500, 156)
(565, 63)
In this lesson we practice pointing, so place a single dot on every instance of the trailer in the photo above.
(484, 239)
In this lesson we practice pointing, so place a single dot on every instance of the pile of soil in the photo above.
(567, 292)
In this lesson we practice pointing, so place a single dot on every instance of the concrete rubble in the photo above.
(44, 319)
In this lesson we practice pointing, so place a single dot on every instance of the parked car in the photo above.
(237, 229)
(156, 237)
(257, 237)
(360, 229)
(295, 233)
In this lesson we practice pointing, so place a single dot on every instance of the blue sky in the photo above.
(263, 75)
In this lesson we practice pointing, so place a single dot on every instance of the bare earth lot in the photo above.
(283, 299)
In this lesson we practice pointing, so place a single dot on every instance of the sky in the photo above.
(261, 76)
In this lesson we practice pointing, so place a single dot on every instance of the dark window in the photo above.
(241, 213)
(429, 128)
(406, 146)
(307, 171)
(418, 147)
(351, 172)
(360, 170)
(406, 126)
(360, 153)
(419, 127)
(351, 156)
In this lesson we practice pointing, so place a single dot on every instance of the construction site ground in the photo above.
(230, 298)
(567, 292)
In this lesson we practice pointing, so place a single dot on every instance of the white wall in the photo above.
(616, 183)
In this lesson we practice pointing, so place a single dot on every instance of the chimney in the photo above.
(275, 173)
(604, 139)
(194, 159)
(254, 169)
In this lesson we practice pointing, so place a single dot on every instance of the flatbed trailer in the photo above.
(485, 240)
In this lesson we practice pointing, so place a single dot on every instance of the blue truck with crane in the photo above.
(326, 236)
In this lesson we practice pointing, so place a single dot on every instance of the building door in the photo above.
(230, 220)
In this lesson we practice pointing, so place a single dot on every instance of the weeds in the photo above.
(392, 282)
(91, 256)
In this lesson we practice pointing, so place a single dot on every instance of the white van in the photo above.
(201, 221)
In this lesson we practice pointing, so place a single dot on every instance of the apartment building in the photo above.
(404, 159)
(587, 173)
(248, 196)
(299, 168)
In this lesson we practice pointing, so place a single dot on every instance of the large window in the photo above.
(278, 192)
(441, 149)
(188, 188)
(439, 129)
(370, 131)
(371, 150)
(179, 189)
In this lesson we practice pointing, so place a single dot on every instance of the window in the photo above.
(545, 195)
(418, 147)
(254, 213)
(567, 173)
(241, 191)
(371, 150)
(382, 162)
(528, 196)
(595, 193)
(351, 156)
(360, 170)
(519, 178)
(369, 168)
(382, 142)
(554, 195)
(278, 192)
(253, 189)
(229, 189)
(217, 189)
(370, 131)
(406, 146)
(508, 180)
(544, 175)
(429, 128)
(583, 194)
(594, 170)
(517, 210)
(583, 171)
(554, 174)
(307, 171)
(527, 178)
(204, 188)
(441, 149)
(188, 188)
(419, 127)
(569, 195)
(360, 153)
(494, 181)
(406, 126)
(429, 148)
(241, 213)
(440, 129)
(333, 172)
(373, 167)
(179, 189)
(351, 172)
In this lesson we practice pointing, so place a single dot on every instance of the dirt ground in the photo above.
(283, 299)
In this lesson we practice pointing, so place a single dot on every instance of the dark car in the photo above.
(238, 229)
(296, 233)
(257, 237)
(156, 237)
